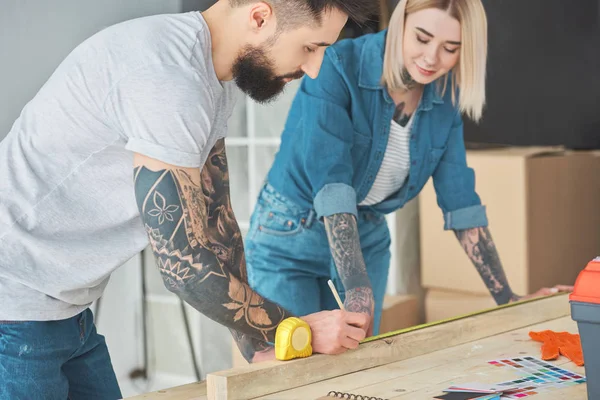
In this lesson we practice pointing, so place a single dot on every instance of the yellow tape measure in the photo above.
(293, 339)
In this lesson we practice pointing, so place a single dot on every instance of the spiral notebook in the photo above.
(347, 396)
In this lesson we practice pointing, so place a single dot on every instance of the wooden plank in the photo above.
(426, 376)
(192, 391)
(274, 376)
(357, 382)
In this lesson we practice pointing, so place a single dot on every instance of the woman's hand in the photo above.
(544, 292)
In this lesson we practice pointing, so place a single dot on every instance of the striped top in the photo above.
(394, 167)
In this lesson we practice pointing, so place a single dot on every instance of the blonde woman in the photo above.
(361, 140)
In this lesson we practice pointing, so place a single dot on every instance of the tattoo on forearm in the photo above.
(225, 235)
(359, 300)
(399, 116)
(344, 243)
(199, 249)
(479, 246)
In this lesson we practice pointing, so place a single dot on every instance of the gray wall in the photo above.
(35, 36)
(193, 5)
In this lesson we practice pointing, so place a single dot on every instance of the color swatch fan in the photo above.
(537, 376)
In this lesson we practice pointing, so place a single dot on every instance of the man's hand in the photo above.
(360, 300)
(543, 292)
(334, 332)
(267, 355)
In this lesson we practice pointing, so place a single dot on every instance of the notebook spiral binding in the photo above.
(340, 395)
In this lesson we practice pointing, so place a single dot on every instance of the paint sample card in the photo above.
(467, 396)
(537, 376)
(476, 387)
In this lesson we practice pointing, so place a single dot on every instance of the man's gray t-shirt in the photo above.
(68, 215)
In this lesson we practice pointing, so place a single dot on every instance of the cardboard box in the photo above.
(543, 206)
(440, 304)
(399, 312)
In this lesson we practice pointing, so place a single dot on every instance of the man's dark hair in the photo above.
(293, 13)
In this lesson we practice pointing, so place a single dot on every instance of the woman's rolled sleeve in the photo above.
(327, 130)
(454, 184)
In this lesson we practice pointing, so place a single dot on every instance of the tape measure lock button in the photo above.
(293, 339)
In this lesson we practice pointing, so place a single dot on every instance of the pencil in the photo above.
(336, 295)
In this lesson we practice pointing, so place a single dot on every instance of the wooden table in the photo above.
(414, 365)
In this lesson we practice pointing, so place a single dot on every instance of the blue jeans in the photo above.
(60, 360)
(289, 261)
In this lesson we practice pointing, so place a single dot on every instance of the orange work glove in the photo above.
(555, 343)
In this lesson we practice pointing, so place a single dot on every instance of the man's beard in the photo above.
(254, 74)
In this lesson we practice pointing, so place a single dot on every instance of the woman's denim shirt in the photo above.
(337, 131)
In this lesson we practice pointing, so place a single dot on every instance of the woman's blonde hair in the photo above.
(469, 73)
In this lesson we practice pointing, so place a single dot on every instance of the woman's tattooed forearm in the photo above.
(199, 250)
(344, 243)
(360, 300)
(479, 246)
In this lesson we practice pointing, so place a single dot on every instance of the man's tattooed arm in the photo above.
(344, 243)
(479, 246)
(228, 245)
(198, 246)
